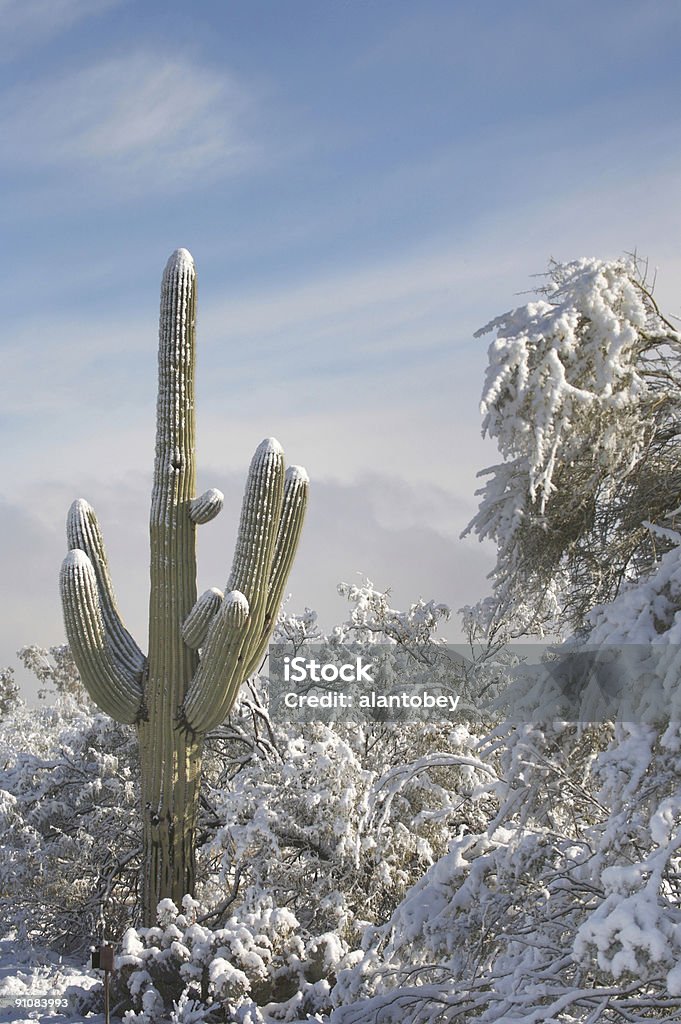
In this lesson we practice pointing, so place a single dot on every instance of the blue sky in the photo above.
(362, 183)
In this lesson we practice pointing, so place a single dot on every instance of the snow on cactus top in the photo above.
(180, 259)
(267, 446)
(298, 473)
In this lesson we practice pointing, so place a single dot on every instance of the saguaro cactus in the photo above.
(200, 650)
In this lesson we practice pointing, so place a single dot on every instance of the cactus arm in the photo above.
(256, 542)
(296, 488)
(195, 627)
(83, 532)
(219, 676)
(207, 506)
(217, 681)
(108, 681)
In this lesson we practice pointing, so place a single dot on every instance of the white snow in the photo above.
(180, 259)
(38, 975)
(269, 445)
(298, 473)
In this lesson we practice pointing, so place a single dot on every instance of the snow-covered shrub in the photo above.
(312, 833)
(566, 905)
(373, 620)
(68, 834)
(309, 833)
(327, 825)
(257, 958)
(338, 821)
(345, 821)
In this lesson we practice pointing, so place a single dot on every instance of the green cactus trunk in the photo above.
(200, 650)
(170, 783)
(170, 756)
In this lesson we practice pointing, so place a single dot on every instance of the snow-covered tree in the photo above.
(9, 692)
(56, 670)
(583, 398)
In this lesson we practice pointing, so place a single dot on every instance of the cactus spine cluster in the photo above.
(200, 649)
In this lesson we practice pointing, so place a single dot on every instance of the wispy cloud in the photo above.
(397, 307)
(136, 122)
(27, 23)
(374, 365)
(382, 310)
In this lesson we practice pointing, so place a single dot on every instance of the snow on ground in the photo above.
(29, 975)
